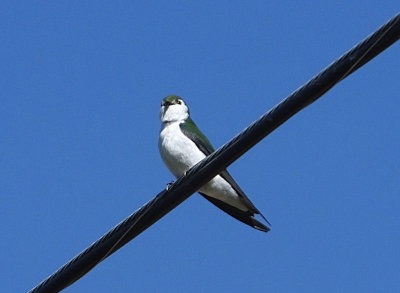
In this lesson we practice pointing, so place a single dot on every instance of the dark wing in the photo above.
(190, 129)
(245, 217)
(224, 174)
(193, 132)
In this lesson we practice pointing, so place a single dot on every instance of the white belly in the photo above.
(179, 153)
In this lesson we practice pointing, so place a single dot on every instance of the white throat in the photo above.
(174, 113)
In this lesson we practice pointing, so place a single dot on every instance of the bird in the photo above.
(182, 145)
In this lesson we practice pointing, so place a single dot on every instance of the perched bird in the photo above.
(182, 145)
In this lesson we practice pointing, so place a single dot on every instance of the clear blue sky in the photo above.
(81, 84)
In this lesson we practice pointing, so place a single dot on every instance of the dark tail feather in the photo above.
(265, 219)
(245, 217)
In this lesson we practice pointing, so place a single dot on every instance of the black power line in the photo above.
(205, 170)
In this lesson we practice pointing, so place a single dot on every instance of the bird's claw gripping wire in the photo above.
(168, 186)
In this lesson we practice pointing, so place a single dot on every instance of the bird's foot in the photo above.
(169, 185)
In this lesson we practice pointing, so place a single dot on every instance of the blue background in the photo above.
(81, 84)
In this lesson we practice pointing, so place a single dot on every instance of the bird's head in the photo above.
(173, 108)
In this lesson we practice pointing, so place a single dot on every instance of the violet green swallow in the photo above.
(182, 145)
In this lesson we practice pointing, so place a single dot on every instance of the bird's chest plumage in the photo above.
(177, 150)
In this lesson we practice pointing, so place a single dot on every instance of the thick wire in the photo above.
(208, 168)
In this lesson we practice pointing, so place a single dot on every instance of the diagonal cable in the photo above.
(208, 168)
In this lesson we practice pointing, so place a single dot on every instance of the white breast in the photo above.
(178, 151)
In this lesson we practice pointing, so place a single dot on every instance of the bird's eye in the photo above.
(178, 102)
